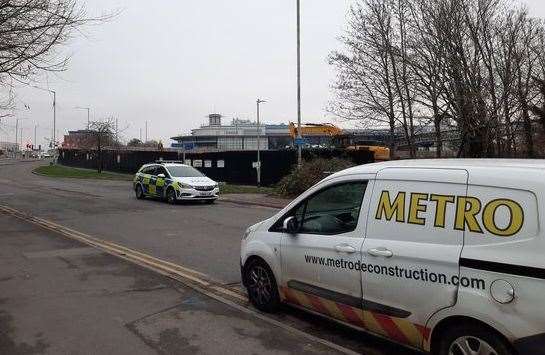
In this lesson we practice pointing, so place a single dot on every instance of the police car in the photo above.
(174, 182)
(445, 256)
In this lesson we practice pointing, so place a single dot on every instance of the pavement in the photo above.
(106, 305)
(61, 297)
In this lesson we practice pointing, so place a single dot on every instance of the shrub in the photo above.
(311, 172)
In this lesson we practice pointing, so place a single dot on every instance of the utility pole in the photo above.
(34, 143)
(146, 131)
(116, 133)
(54, 113)
(299, 146)
(54, 118)
(259, 101)
(140, 134)
(16, 134)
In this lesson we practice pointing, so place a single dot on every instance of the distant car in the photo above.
(174, 182)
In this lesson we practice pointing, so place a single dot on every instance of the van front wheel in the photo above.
(261, 285)
(471, 339)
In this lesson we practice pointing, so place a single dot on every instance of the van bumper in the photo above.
(534, 344)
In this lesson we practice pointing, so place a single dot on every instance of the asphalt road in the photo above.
(58, 296)
(205, 238)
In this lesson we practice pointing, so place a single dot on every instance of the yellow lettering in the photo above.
(387, 208)
(415, 207)
(441, 208)
(516, 220)
(466, 210)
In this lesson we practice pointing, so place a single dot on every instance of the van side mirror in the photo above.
(161, 176)
(290, 225)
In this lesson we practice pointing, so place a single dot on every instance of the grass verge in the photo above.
(62, 171)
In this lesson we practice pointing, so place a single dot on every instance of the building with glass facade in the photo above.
(239, 135)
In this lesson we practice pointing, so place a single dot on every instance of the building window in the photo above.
(230, 143)
(250, 143)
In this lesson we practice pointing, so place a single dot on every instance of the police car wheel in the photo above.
(139, 192)
(171, 196)
(472, 339)
(261, 286)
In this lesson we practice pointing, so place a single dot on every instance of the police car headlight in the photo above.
(184, 186)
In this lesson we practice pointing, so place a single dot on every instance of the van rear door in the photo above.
(411, 253)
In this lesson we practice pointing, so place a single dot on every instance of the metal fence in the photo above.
(235, 167)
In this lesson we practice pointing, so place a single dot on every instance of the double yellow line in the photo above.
(180, 273)
(188, 277)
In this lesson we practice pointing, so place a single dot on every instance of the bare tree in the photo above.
(539, 109)
(102, 134)
(31, 35)
(364, 85)
(408, 63)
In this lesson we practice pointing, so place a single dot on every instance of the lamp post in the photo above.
(259, 101)
(35, 143)
(299, 147)
(88, 111)
(54, 112)
(17, 133)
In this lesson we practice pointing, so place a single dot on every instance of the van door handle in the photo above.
(345, 248)
(380, 252)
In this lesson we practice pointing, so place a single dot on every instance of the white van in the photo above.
(446, 256)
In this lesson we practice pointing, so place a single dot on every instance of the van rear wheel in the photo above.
(261, 286)
(472, 339)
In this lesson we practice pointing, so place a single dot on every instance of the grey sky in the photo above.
(173, 62)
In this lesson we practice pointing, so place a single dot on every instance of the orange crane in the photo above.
(347, 142)
(315, 129)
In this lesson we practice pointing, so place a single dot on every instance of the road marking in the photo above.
(188, 277)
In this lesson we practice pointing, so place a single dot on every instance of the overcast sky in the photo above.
(174, 62)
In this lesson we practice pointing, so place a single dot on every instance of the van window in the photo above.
(333, 210)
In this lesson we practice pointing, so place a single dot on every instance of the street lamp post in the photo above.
(54, 118)
(54, 112)
(259, 101)
(17, 135)
(299, 146)
(35, 143)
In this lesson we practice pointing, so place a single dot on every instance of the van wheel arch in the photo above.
(445, 324)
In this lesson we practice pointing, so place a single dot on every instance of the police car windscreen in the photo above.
(183, 171)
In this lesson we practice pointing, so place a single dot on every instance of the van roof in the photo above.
(468, 164)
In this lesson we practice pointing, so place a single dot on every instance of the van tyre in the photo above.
(472, 339)
(171, 196)
(139, 192)
(261, 286)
